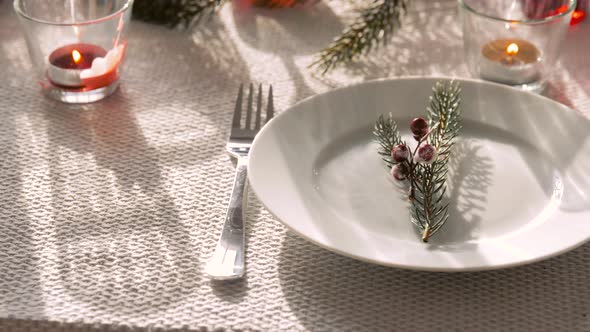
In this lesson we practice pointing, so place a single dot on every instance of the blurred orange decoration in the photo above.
(539, 9)
(577, 16)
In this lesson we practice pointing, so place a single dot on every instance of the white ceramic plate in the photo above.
(520, 178)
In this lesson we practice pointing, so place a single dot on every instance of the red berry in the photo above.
(399, 172)
(419, 127)
(400, 153)
(426, 154)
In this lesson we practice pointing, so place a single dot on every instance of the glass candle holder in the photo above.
(515, 42)
(77, 47)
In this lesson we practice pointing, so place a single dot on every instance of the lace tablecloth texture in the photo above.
(108, 211)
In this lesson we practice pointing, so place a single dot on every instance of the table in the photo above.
(108, 211)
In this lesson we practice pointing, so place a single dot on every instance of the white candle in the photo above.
(510, 61)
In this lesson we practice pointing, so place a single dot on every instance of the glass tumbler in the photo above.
(515, 42)
(77, 46)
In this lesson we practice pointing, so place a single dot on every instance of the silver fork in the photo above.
(229, 259)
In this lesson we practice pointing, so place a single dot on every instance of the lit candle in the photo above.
(510, 61)
(67, 62)
(84, 65)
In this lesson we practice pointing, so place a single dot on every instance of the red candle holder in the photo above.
(77, 60)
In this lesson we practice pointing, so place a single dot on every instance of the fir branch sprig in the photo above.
(388, 136)
(444, 110)
(427, 178)
(376, 23)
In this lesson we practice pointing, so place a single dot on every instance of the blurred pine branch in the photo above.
(374, 26)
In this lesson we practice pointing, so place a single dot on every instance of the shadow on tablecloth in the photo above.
(286, 33)
(119, 243)
(328, 292)
(29, 325)
(21, 292)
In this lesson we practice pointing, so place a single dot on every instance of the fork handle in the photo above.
(228, 260)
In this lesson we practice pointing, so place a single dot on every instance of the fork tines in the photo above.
(249, 129)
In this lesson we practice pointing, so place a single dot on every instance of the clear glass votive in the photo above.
(77, 46)
(515, 42)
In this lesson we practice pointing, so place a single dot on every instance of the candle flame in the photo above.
(76, 56)
(512, 49)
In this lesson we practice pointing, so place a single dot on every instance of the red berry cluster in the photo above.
(402, 156)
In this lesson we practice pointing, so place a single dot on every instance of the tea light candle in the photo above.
(84, 65)
(510, 61)
(67, 62)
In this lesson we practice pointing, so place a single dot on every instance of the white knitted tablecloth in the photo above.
(108, 211)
